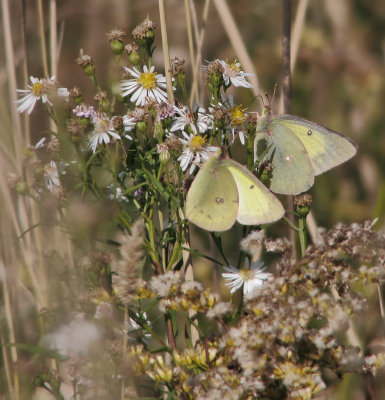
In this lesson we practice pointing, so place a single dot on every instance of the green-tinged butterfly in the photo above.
(224, 192)
(297, 150)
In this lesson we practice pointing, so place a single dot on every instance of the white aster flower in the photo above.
(232, 73)
(250, 278)
(103, 130)
(51, 176)
(144, 85)
(129, 124)
(186, 120)
(37, 91)
(196, 151)
(236, 117)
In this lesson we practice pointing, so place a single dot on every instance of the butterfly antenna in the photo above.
(261, 97)
(269, 102)
(252, 101)
(275, 88)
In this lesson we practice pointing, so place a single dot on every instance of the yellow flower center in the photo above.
(196, 143)
(233, 66)
(246, 274)
(104, 124)
(147, 79)
(37, 89)
(237, 115)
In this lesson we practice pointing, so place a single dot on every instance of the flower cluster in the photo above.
(290, 328)
(113, 177)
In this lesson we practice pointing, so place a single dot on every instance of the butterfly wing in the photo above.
(292, 171)
(212, 200)
(257, 205)
(325, 147)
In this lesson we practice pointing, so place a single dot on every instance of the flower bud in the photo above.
(134, 58)
(164, 153)
(117, 47)
(115, 37)
(141, 126)
(302, 204)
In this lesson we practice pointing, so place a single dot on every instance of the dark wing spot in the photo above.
(309, 132)
(220, 200)
(251, 186)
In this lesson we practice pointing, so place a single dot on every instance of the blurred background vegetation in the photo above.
(338, 81)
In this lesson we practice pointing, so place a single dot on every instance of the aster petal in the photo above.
(114, 134)
(137, 94)
(192, 167)
(133, 71)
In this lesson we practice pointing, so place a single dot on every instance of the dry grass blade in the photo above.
(166, 55)
(10, 60)
(235, 38)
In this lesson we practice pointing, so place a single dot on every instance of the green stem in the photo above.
(250, 150)
(291, 225)
(93, 78)
(151, 237)
(302, 235)
(217, 239)
(174, 255)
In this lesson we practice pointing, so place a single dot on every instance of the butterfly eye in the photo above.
(309, 132)
(220, 200)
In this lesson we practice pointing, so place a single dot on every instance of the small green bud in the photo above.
(158, 131)
(104, 105)
(144, 33)
(85, 61)
(215, 80)
(79, 100)
(117, 47)
(141, 126)
(150, 36)
(76, 94)
(89, 69)
(134, 58)
(115, 37)
(164, 153)
(302, 204)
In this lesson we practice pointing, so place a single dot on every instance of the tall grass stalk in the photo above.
(53, 37)
(234, 35)
(43, 45)
(189, 30)
(196, 90)
(10, 62)
(6, 285)
(166, 54)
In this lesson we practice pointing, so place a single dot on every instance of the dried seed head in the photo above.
(127, 267)
(116, 34)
